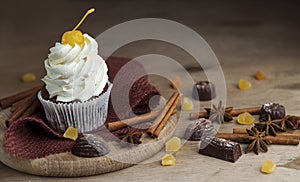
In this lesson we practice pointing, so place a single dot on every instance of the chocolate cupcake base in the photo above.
(85, 116)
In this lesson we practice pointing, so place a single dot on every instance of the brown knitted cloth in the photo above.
(140, 93)
(31, 137)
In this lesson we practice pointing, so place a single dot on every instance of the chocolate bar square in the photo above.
(221, 149)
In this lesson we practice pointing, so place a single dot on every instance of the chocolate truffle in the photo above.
(221, 149)
(200, 129)
(275, 110)
(204, 91)
(90, 145)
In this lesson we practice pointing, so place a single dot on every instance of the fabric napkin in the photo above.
(31, 137)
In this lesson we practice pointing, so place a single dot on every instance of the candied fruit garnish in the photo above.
(187, 104)
(168, 160)
(72, 37)
(260, 76)
(28, 77)
(173, 145)
(245, 118)
(244, 85)
(75, 36)
(71, 133)
(268, 167)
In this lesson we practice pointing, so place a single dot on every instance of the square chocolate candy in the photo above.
(221, 149)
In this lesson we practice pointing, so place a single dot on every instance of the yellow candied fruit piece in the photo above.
(72, 37)
(260, 76)
(187, 104)
(245, 118)
(173, 145)
(28, 77)
(168, 160)
(176, 83)
(244, 85)
(71, 133)
(268, 167)
(75, 36)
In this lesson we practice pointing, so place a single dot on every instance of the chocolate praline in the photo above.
(274, 110)
(204, 91)
(90, 145)
(200, 129)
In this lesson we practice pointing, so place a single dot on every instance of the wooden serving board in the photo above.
(68, 165)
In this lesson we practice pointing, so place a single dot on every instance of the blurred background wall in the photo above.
(237, 30)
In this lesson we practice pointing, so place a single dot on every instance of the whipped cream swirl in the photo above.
(75, 73)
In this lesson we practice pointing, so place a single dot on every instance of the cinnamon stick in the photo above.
(242, 138)
(234, 112)
(295, 135)
(8, 101)
(32, 108)
(251, 110)
(166, 118)
(162, 115)
(113, 126)
(198, 115)
(28, 102)
(20, 104)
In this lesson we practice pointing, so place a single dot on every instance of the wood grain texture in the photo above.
(68, 165)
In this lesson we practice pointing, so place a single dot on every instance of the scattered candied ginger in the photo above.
(71, 133)
(268, 167)
(28, 77)
(168, 160)
(260, 76)
(245, 118)
(187, 104)
(244, 84)
(173, 145)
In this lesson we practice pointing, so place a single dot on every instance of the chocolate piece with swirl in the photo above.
(90, 145)
(200, 129)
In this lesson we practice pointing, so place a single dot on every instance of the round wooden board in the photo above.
(68, 165)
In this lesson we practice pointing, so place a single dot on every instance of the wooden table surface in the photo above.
(246, 36)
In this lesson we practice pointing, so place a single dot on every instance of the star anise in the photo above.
(291, 122)
(270, 126)
(219, 114)
(258, 141)
(131, 136)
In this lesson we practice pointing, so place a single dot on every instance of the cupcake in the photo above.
(76, 83)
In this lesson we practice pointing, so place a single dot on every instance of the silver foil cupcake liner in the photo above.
(85, 116)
